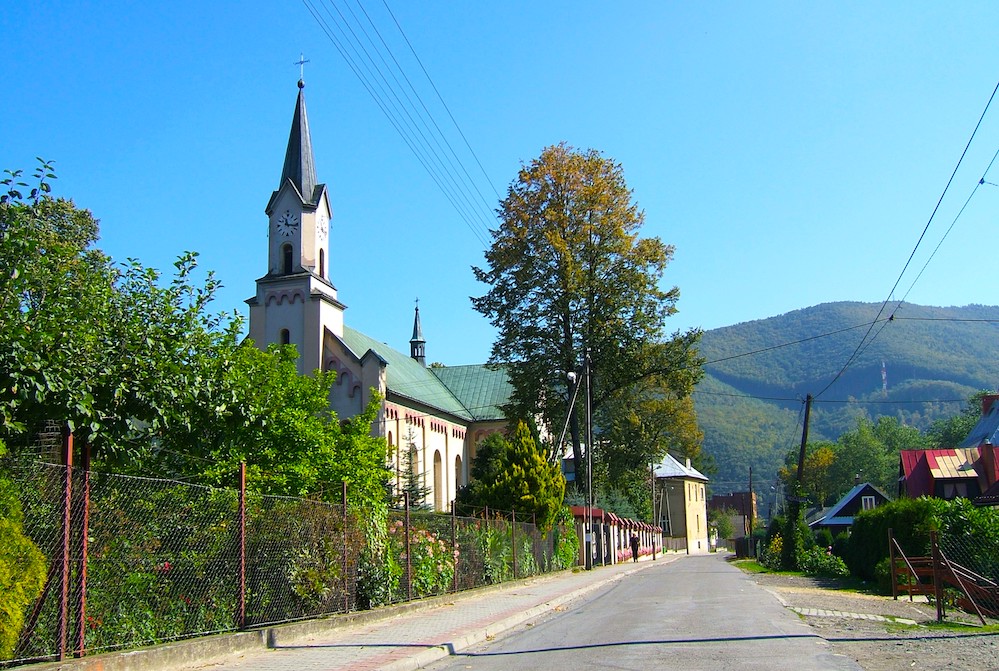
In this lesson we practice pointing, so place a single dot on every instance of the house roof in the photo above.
(986, 430)
(921, 467)
(833, 516)
(671, 468)
(473, 393)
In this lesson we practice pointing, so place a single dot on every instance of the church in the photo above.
(438, 414)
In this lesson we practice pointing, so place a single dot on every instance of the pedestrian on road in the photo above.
(634, 547)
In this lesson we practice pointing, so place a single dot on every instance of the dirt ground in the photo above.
(887, 646)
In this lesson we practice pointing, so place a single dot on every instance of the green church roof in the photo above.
(483, 390)
(472, 393)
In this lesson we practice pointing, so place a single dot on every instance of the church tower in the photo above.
(295, 302)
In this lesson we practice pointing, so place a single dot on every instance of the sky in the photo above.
(792, 153)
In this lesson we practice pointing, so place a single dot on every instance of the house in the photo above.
(432, 417)
(969, 471)
(681, 505)
(839, 517)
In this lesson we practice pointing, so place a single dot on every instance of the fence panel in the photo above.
(160, 559)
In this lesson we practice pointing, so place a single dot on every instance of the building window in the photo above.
(322, 263)
(285, 337)
(286, 259)
(867, 502)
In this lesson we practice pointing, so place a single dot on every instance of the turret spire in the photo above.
(299, 165)
(417, 345)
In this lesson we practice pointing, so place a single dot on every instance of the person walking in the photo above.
(634, 547)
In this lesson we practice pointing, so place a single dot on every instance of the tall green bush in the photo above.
(910, 520)
(22, 567)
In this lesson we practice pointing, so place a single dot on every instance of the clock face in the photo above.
(323, 227)
(287, 223)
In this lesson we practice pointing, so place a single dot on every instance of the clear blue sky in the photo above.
(792, 152)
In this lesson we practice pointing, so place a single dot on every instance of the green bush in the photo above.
(816, 561)
(566, 541)
(22, 568)
(910, 520)
(824, 538)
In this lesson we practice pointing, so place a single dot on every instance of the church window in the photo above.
(286, 259)
(322, 263)
(285, 337)
(438, 482)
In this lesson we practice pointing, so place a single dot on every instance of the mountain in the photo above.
(758, 373)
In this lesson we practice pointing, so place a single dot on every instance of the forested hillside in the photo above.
(758, 374)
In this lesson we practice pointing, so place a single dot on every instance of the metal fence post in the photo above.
(346, 580)
(67, 504)
(81, 604)
(409, 562)
(241, 531)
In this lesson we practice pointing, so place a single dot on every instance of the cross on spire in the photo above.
(302, 60)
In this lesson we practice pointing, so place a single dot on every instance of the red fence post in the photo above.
(409, 563)
(241, 612)
(346, 581)
(67, 504)
(513, 543)
(81, 604)
(454, 547)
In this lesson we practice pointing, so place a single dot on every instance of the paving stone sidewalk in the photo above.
(416, 638)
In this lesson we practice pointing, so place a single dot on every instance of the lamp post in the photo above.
(589, 460)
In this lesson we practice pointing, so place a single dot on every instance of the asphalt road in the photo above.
(699, 613)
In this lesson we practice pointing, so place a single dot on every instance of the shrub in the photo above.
(22, 569)
(566, 541)
(911, 521)
(816, 561)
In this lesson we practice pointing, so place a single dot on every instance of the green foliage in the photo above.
(566, 271)
(22, 567)
(512, 475)
(817, 561)
(921, 377)
(951, 431)
(414, 482)
(910, 521)
(566, 540)
(721, 520)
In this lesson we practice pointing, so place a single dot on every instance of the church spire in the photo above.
(417, 345)
(299, 165)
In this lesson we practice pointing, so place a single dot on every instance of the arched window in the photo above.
(438, 482)
(322, 263)
(286, 259)
(285, 337)
(459, 480)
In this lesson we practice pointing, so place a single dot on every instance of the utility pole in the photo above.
(788, 557)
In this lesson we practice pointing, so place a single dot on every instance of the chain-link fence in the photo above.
(973, 562)
(133, 561)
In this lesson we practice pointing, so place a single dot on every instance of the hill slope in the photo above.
(758, 373)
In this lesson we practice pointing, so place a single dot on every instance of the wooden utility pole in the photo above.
(789, 559)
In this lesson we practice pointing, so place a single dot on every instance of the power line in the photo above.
(960, 160)
(372, 60)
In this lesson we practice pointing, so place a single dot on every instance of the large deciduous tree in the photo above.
(566, 271)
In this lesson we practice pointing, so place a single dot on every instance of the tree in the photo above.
(816, 483)
(871, 451)
(952, 431)
(567, 271)
(414, 481)
(513, 475)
